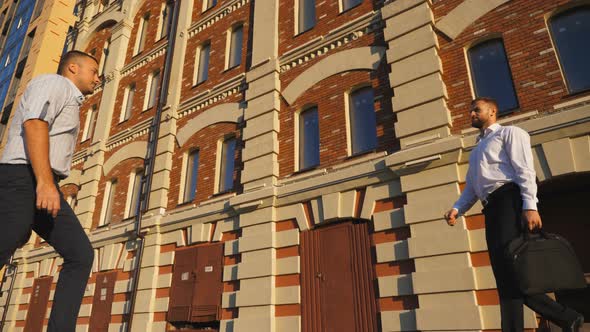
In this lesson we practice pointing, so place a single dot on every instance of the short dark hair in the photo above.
(70, 57)
(488, 100)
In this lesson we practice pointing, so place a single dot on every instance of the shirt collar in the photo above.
(488, 131)
(78, 96)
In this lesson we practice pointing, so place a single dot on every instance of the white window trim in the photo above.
(105, 199)
(148, 91)
(138, 36)
(341, 6)
(204, 6)
(296, 17)
(161, 20)
(347, 114)
(218, 159)
(103, 57)
(197, 62)
(228, 44)
(124, 104)
(297, 126)
(87, 124)
(183, 176)
(130, 189)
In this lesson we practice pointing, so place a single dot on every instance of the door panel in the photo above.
(38, 304)
(208, 283)
(337, 279)
(103, 301)
(183, 283)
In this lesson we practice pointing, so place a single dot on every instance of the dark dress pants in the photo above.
(64, 233)
(503, 219)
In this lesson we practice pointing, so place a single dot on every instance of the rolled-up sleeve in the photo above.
(42, 102)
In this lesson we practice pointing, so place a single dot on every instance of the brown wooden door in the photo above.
(183, 283)
(337, 279)
(38, 304)
(208, 283)
(102, 303)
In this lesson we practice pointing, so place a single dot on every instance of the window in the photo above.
(20, 23)
(134, 192)
(192, 174)
(153, 84)
(348, 4)
(128, 102)
(491, 75)
(166, 11)
(203, 62)
(570, 31)
(208, 4)
(226, 172)
(90, 123)
(306, 13)
(104, 56)
(141, 34)
(27, 44)
(108, 202)
(309, 139)
(235, 47)
(7, 62)
(38, 8)
(362, 120)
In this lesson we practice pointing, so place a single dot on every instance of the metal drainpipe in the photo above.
(151, 152)
(13, 267)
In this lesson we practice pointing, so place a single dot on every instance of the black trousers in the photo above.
(64, 233)
(503, 218)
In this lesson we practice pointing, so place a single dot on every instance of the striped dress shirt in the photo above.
(56, 100)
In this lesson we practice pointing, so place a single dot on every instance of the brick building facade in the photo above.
(306, 154)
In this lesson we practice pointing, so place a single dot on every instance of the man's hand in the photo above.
(532, 219)
(48, 198)
(451, 217)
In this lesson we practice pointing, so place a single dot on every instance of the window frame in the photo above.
(141, 34)
(220, 166)
(297, 17)
(163, 20)
(90, 122)
(208, 4)
(188, 164)
(198, 56)
(348, 95)
(104, 56)
(107, 203)
(127, 104)
(341, 8)
(151, 96)
(299, 136)
(133, 192)
(229, 46)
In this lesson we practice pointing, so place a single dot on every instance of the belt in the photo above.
(504, 188)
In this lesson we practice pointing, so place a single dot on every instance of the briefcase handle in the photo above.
(526, 234)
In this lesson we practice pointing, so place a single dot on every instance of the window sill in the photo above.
(361, 154)
(351, 8)
(198, 84)
(230, 68)
(222, 193)
(305, 170)
(300, 33)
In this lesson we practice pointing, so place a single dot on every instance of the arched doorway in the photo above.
(565, 210)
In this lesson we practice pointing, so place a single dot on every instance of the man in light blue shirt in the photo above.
(38, 153)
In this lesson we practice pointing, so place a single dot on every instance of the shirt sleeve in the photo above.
(518, 148)
(42, 102)
(468, 196)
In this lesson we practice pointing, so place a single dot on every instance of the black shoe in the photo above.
(576, 325)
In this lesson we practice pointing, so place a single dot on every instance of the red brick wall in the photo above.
(140, 78)
(217, 35)
(328, 18)
(97, 42)
(84, 112)
(329, 96)
(206, 141)
(153, 7)
(535, 70)
(120, 172)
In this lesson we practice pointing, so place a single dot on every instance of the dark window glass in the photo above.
(571, 32)
(135, 193)
(153, 89)
(306, 15)
(192, 174)
(228, 152)
(347, 4)
(309, 139)
(362, 121)
(129, 104)
(235, 53)
(491, 75)
(203, 71)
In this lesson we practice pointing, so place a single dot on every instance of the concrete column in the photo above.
(416, 73)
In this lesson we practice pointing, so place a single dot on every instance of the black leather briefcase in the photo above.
(543, 263)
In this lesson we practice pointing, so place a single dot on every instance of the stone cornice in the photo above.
(142, 60)
(128, 134)
(79, 157)
(334, 39)
(215, 16)
(217, 93)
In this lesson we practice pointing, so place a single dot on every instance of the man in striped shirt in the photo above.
(41, 142)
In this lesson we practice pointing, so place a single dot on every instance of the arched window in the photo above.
(309, 138)
(570, 31)
(490, 74)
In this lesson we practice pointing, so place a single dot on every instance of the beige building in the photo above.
(253, 227)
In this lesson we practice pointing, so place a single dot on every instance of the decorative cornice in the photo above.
(213, 95)
(215, 16)
(144, 59)
(334, 39)
(79, 157)
(128, 134)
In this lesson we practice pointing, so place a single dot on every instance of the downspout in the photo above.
(12, 268)
(154, 132)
